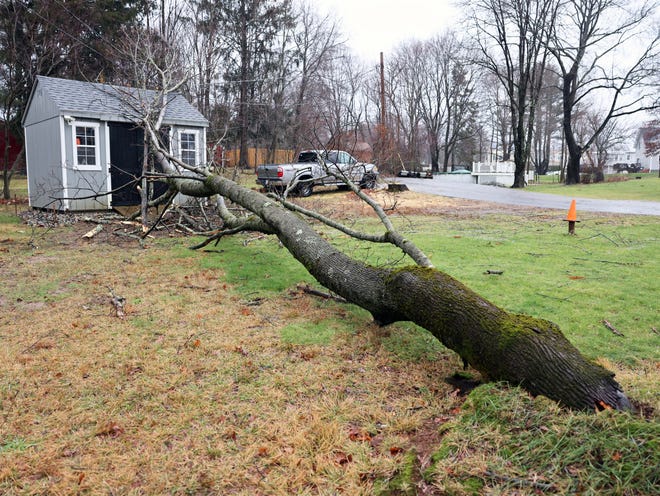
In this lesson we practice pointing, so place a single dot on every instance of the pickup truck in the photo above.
(317, 168)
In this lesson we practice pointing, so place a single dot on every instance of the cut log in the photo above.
(397, 187)
(93, 232)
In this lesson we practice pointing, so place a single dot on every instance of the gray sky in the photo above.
(374, 26)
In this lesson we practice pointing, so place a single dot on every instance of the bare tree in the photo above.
(317, 43)
(595, 43)
(512, 36)
(405, 75)
(609, 137)
(340, 104)
(548, 124)
(250, 28)
(203, 44)
(458, 85)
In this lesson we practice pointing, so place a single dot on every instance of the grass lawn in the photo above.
(618, 187)
(224, 377)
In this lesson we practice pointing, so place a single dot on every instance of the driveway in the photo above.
(527, 198)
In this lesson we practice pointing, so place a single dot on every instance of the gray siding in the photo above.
(44, 165)
(41, 107)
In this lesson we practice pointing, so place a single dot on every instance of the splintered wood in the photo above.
(118, 303)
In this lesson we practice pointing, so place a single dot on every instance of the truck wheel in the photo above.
(304, 189)
(368, 181)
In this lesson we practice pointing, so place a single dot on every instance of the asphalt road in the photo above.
(527, 198)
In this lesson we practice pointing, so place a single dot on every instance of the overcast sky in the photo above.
(374, 26)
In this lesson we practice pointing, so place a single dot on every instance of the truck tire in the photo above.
(368, 181)
(304, 189)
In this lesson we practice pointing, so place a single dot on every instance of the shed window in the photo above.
(188, 147)
(86, 146)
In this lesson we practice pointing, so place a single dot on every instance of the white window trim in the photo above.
(97, 146)
(197, 147)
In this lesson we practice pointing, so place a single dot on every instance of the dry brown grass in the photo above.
(193, 392)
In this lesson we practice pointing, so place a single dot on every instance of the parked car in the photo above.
(317, 168)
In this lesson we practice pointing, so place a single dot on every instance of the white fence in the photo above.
(493, 167)
(497, 173)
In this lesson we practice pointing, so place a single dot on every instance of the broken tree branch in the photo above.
(614, 330)
(93, 232)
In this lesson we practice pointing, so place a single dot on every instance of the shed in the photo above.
(84, 149)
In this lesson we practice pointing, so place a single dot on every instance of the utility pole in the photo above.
(382, 128)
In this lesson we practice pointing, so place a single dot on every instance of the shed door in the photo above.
(126, 142)
(126, 154)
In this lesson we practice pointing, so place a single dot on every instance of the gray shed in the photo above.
(84, 150)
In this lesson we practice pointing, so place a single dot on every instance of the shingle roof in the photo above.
(116, 102)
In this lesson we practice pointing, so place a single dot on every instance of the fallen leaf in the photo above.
(263, 451)
(617, 456)
(110, 429)
(196, 343)
(395, 450)
(358, 435)
(342, 458)
(575, 278)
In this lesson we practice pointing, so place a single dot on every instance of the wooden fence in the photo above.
(256, 156)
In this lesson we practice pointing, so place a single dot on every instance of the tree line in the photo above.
(522, 76)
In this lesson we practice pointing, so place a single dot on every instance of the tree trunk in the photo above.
(502, 346)
(8, 172)
(435, 155)
(574, 149)
(245, 61)
(519, 160)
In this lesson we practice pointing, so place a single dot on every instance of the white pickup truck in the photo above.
(317, 168)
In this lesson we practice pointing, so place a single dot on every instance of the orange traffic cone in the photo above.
(571, 218)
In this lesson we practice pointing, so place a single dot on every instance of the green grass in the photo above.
(647, 188)
(507, 439)
(14, 445)
(608, 271)
(309, 333)
(256, 267)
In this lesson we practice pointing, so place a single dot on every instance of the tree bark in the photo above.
(518, 349)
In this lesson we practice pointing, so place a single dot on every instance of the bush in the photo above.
(592, 175)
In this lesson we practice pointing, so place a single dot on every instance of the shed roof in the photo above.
(108, 102)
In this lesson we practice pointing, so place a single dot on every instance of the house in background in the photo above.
(84, 150)
(647, 148)
(620, 160)
(7, 138)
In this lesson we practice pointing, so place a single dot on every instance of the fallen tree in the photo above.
(502, 346)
